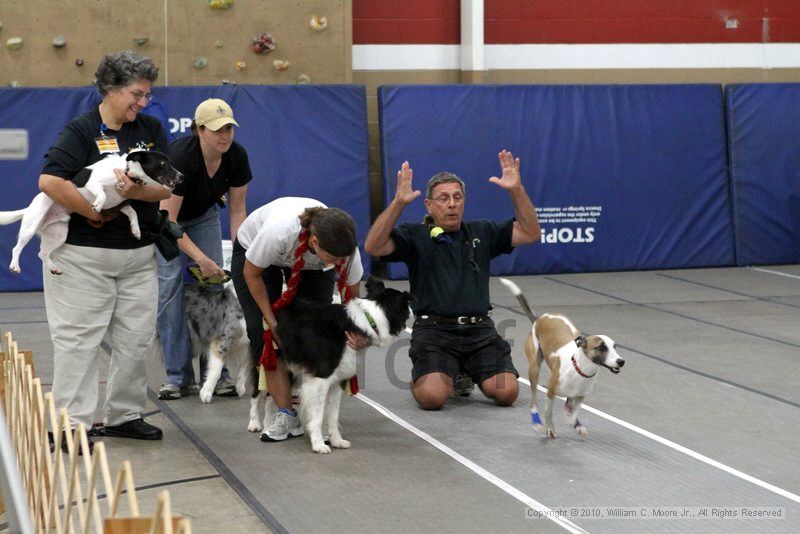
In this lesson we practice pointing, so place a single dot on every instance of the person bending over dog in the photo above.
(108, 288)
(448, 267)
(213, 165)
(306, 242)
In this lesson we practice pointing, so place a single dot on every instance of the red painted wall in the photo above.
(407, 22)
(580, 21)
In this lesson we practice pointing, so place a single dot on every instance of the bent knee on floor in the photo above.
(431, 391)
(503, 388)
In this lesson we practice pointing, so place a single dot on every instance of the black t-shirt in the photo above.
(76, 148)
(443, 280)
(199, 191)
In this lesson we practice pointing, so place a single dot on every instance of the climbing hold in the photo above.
(15, 43)
(219, 43)
(303, 79)
(280, 64)
(59, 41)
(220, 4)
(79, 62)
(200, 62)
(13, 83)
(240, 65)
(262, 44)
(141, 41)
(319, 23)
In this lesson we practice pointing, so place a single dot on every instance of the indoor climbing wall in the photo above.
(194, 42)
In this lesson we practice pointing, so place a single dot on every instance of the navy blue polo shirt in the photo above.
(443, 281)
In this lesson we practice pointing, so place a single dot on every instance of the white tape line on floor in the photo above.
(770, 271)
(469, 464)
(685, 450)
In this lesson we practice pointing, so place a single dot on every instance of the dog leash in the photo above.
(203, 281)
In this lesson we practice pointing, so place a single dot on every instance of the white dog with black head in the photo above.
(51, 220)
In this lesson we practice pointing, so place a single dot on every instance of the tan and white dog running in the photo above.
(574, 360)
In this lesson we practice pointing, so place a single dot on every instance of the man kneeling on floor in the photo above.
(454, 339)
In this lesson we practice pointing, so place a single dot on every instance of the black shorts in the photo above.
(475, 350)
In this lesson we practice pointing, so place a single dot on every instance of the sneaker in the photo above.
(173, 392)
(283, 426)
(462, 386)
(225, 388)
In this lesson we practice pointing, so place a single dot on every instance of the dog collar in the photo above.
(133, 179)
(578, 369)
(371, 322)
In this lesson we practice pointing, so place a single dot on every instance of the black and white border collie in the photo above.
(313, 346)
(51, 220)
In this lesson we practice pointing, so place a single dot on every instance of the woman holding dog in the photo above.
(304, 242)
(214, 166)
(107, 289)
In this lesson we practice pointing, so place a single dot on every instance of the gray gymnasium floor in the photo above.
(704, 416)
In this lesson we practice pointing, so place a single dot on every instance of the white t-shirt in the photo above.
(271, 235)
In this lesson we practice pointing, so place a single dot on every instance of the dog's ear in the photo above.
(374, 286)
(580, 341)
(139, 155)
(408, 298)
(135, 156)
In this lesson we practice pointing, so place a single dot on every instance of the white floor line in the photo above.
(469, 464)
(682, 449)
(770, 271)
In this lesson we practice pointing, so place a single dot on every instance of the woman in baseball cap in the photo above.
(216, 171)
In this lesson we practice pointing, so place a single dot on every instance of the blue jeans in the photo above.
(205, 232)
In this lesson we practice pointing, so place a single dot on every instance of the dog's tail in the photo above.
(8, 217)
(517, 292)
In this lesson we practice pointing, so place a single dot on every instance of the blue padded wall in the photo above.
(764, 141)
(623, 177)
(301, 140)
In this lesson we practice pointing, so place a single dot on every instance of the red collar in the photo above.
(578, 369)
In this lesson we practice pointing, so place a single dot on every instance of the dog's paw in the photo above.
(254, 426)
(339, 443)
(551, 432)
(321, 449)
(14, 268)
(241, 389)
(206, 395)
(581, 431)
(539, 429)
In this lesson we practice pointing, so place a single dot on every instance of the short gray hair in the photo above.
(443, 178)
(123, 68)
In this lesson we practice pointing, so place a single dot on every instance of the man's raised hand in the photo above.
(405, 192)
(510, 167)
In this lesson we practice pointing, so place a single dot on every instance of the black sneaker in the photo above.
(75, 443)
(136, 429)
(462, 386)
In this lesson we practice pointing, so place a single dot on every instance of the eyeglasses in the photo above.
(138, 95)
(444, 200)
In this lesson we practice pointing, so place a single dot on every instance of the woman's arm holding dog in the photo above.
(134, 191)
(207, 266)
(65, 193)
(258, 290)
